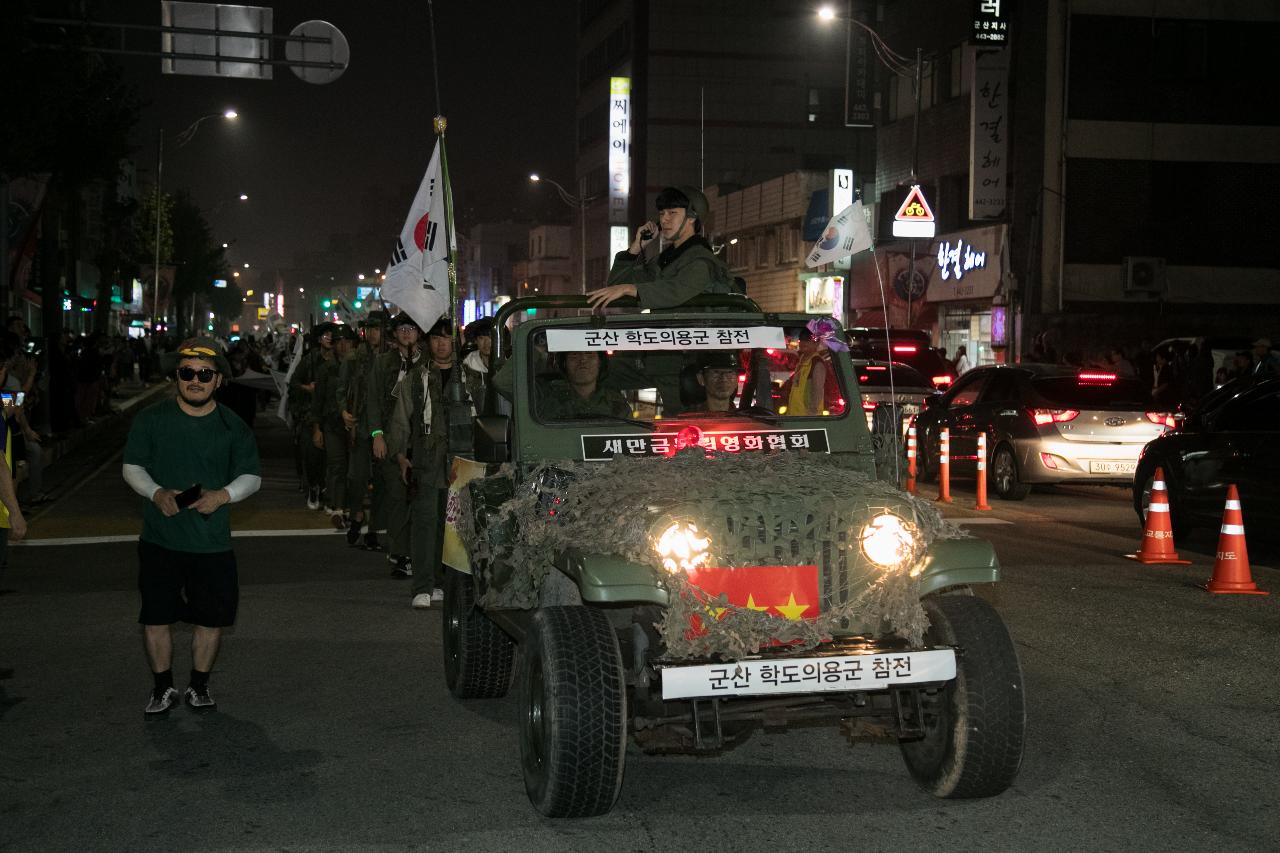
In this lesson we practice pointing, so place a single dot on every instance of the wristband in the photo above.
(375, 433)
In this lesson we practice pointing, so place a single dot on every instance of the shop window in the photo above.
(788, 242)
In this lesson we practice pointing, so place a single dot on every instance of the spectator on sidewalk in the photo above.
(13, 526)
(189, 457)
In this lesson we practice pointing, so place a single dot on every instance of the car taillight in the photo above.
(1164, 419)
(905, 348)
(1094, 378)
(1044, 417)
(941, 381)
(868, 406)
(878, 367)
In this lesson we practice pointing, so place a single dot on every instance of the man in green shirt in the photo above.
(189, 457)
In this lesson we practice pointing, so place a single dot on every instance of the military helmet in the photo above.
(690, 198)
(403, 319)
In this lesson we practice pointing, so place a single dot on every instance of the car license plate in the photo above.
(842, 673)
(1104, 467)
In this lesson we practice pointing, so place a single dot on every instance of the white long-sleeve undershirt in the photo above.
(140, 481)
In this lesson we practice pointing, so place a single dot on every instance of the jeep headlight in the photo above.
(681, 547)
(888, 541)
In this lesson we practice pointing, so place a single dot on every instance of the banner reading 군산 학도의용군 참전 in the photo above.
(846, 234)
(418, 275)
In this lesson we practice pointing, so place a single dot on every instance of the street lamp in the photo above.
(896, 63)
(182, 139)
(577, 201)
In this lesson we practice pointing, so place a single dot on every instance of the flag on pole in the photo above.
(846, 234)
(418, 275)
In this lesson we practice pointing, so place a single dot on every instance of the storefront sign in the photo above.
(956, 259)
(988, 135)
(991, 22)
(825, 295)
(965, 265)
(619, 148)
(859, 101)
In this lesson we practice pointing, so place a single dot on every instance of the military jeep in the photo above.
(679, 572)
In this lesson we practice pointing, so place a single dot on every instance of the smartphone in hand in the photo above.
(187, 498)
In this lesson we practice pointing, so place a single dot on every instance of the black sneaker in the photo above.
(160, 703)
(353, 532)
(199, 699)
(371, 543)
(403, 569)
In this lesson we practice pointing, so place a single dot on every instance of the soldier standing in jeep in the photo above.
(685, 267)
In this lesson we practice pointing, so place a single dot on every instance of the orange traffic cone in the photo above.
(1157, 534)
(1231, 568)
(911, 460)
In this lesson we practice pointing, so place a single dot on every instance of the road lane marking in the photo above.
(133, 537)
(985, 519)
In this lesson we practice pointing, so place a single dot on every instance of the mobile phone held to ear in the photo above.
(187, 498)
(647, 234)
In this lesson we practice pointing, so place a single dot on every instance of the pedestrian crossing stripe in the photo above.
(133, 537)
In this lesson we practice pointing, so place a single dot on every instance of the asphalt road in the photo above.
(1154, 715)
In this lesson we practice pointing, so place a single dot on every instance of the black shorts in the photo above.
(181, 586)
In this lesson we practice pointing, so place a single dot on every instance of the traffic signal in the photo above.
(328, 303)
(357, 304)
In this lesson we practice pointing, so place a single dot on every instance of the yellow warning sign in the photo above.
(914, 218)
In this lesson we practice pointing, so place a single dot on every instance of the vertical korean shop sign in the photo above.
(991, 22)
(619, 148)
(989, 134)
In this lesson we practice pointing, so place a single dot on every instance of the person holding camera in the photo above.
(189, 457)
(685, 266)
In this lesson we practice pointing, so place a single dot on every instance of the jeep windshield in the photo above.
(648, 372)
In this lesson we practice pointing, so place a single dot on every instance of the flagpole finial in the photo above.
(439, 123)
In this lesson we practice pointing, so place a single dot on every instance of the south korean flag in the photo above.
(846, 234)
(418, 275)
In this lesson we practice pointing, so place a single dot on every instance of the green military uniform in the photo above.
(304, 415)
(327, 415)
(558, 401)
(426, 442)
(675, 276)
(353, 398)
(383, 376)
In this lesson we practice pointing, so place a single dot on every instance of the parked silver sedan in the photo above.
(1044, 424)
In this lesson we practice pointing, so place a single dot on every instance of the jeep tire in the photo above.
(573, 712)
(477, 653)
(975, 725)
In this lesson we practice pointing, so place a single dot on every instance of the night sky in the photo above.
(311, 156)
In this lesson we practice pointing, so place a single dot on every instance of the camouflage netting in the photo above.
(791, 509)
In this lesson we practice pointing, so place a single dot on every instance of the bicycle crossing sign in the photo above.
(914, 218)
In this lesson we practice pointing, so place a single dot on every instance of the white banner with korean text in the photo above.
(695, 338)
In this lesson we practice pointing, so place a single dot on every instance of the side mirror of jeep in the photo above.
(492, 438)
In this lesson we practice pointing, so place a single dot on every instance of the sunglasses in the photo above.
(204, 374)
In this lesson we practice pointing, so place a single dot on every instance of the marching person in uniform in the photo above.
(329, 427)
(189, 457)
(419, 439)
(303, 392)
(385, 375)
(353, 387)
(684, 268)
